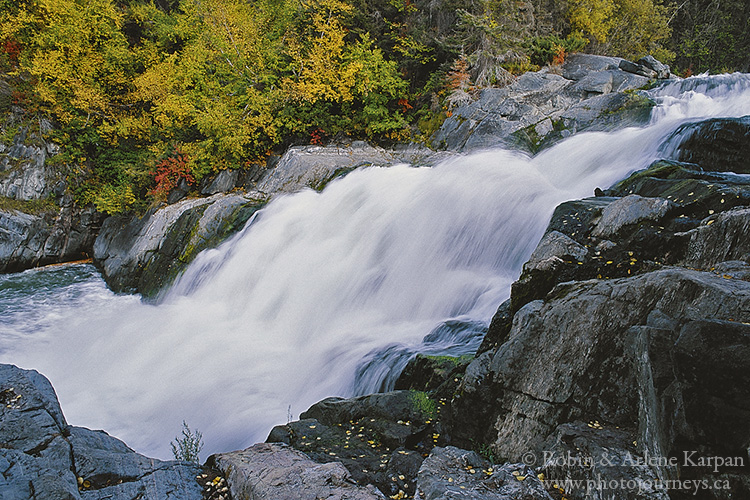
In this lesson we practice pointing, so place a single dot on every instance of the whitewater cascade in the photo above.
(321, 294)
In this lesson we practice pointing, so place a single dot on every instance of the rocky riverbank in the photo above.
(624, 343)
(618, 368)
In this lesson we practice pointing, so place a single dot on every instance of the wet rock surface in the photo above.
(145, 254)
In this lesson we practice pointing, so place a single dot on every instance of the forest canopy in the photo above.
(145, 94)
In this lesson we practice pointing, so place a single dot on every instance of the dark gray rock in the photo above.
(390, 406)
(699, 194)
(629, 210)
(179, 192)
(224, 182)
(597, 462)
(721, 237)
(637, 69)
(522, 395)
(274, 471)
(381, 438)
(497, 332)
(43, 457)
(427, 373)
(552, 249)
(650, 62)
(30, 240)
(718, 144)
(450, 473)
(371, 449)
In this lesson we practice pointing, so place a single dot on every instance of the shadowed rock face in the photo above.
(30, 240)
(578, 355)
(721, 144)
(43, 457)
(630, 337)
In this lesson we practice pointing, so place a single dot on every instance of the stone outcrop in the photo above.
(145, 254)
(539, 109)
(454, 473)
(42, 225)
(35, 239)
(24, 171)
(277, 472)
(42, 457)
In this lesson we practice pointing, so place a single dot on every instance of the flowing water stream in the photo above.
(322, 294)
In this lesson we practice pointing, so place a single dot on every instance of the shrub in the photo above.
(168, 173)
(188, 445)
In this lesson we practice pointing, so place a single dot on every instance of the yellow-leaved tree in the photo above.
(625, 28)
(75, 52)
(317, 51)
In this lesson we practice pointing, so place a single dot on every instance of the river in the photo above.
(321, 294)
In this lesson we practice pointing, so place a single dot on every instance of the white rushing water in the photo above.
(321, 291)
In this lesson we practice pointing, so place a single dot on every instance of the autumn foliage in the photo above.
(168, 174)
(230, 80)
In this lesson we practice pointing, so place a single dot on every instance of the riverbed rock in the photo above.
(43, 457)
(145, 254)
(717, 144)
(427, 373)
(720, 238)
(629, 210)
(541, 108)
(275, 471)
(46, 237)
(380, 438)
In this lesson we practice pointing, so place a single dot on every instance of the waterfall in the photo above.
(321, 294)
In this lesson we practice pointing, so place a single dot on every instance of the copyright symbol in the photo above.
(529, 458)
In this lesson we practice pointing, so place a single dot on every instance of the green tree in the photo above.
(711, 35)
